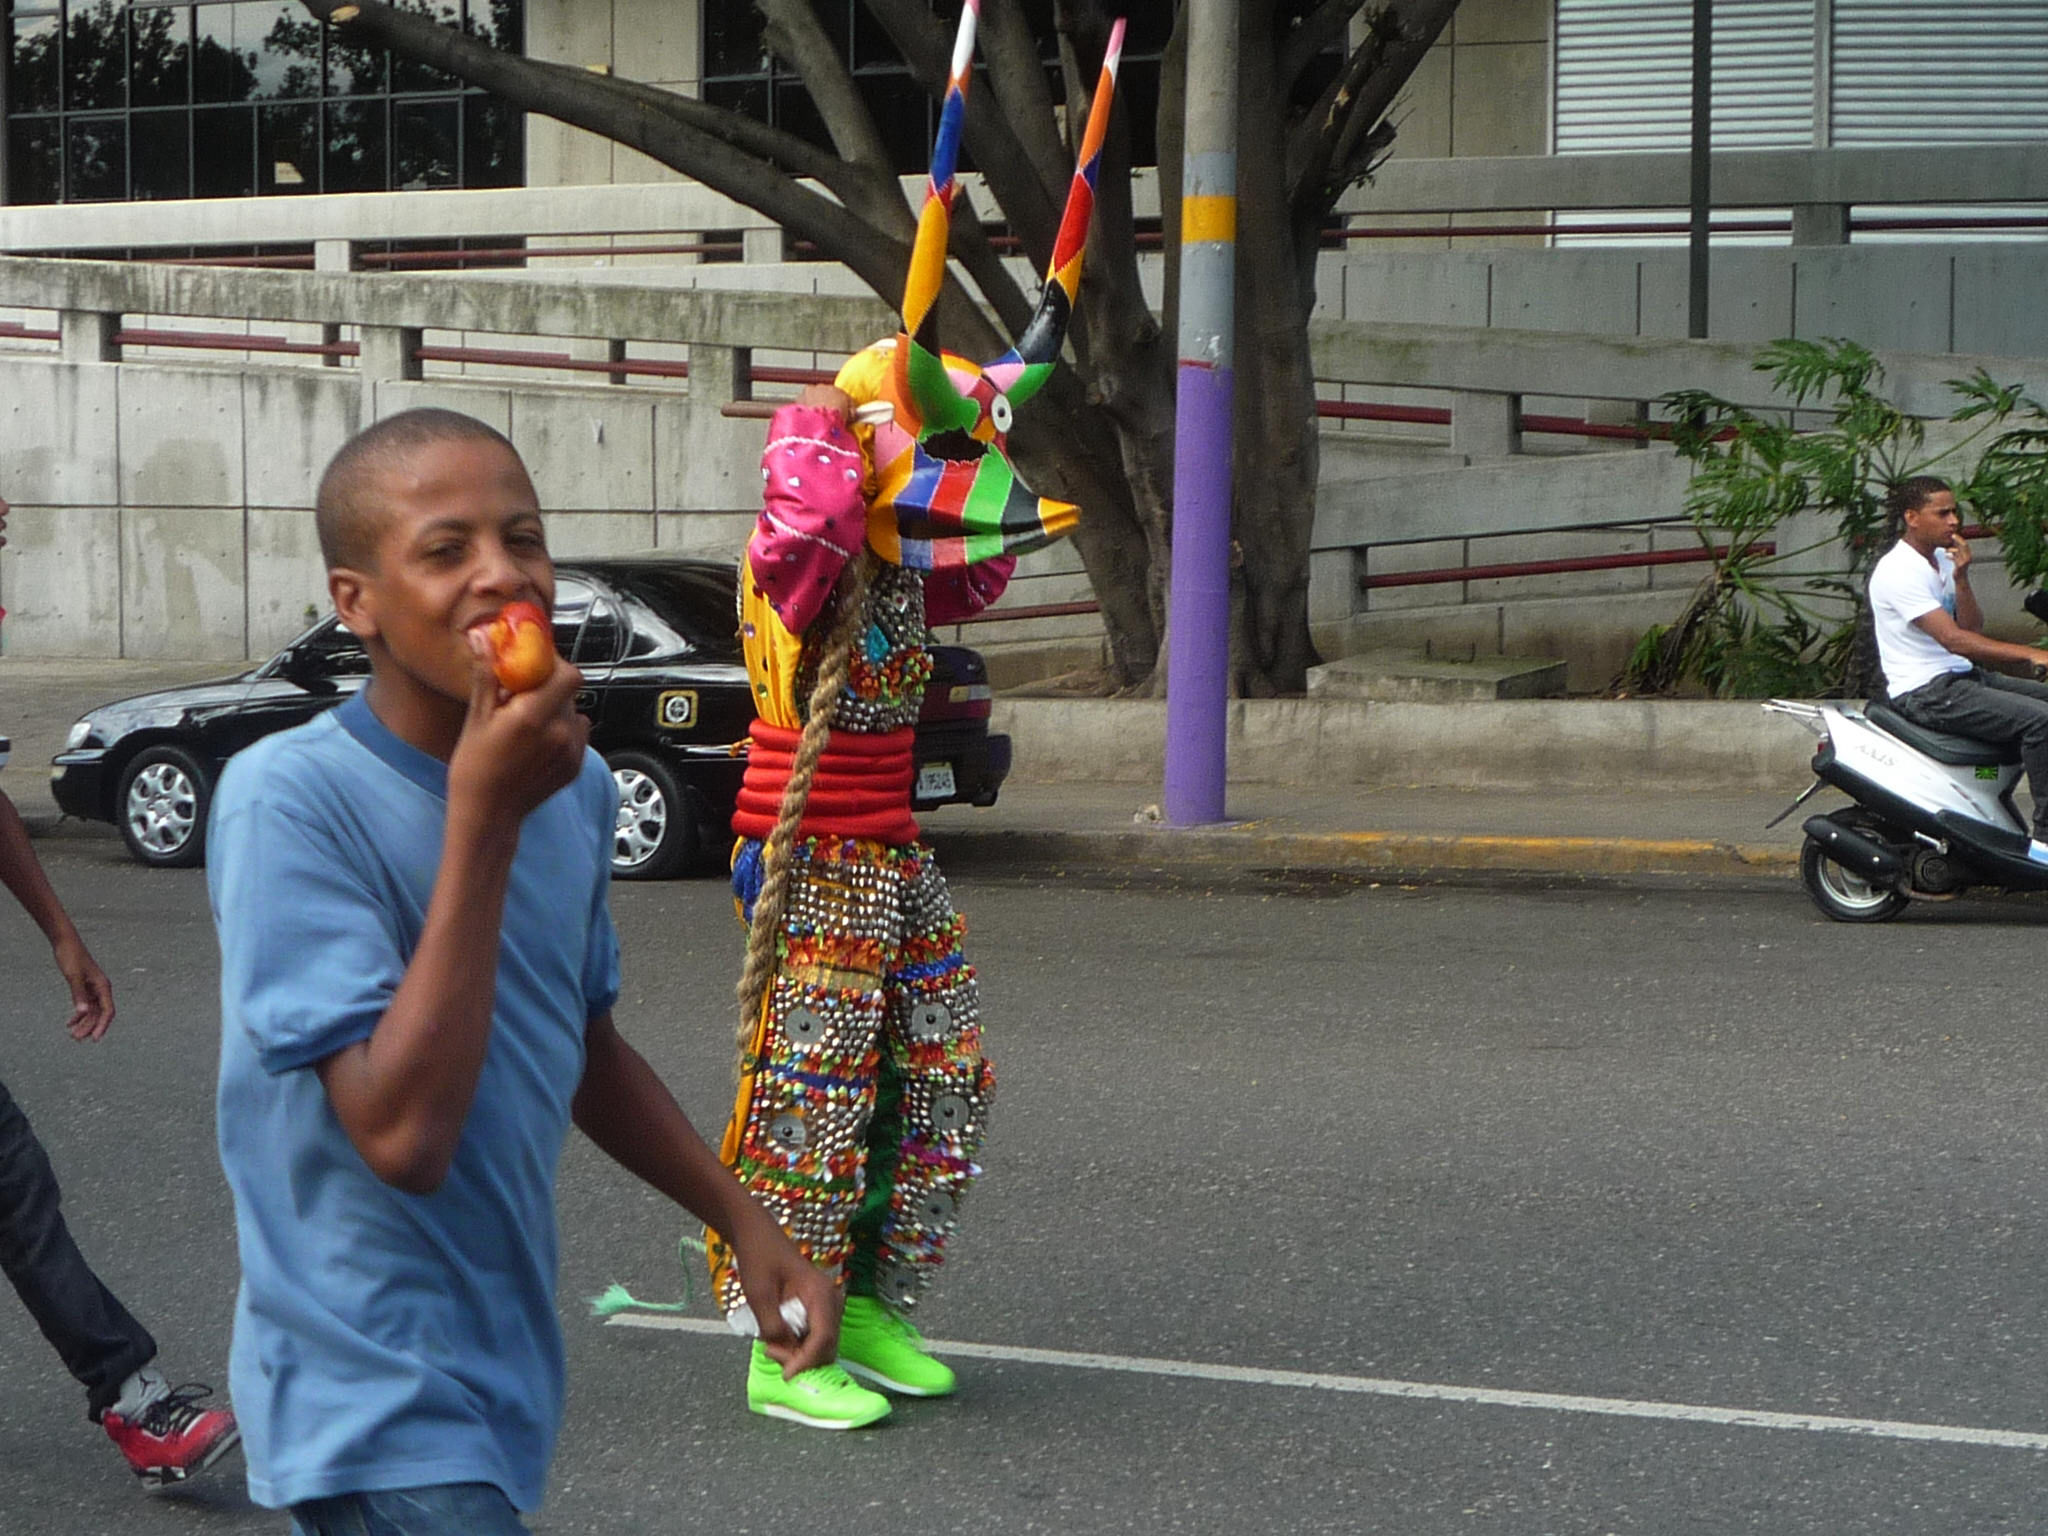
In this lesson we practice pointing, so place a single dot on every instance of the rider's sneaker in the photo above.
(824, 1397)
(877, 1345)
(2037, 851)
(167, 1436)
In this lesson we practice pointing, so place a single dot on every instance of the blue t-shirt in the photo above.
(383, 1339)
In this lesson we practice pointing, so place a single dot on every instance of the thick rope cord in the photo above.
(835, 664)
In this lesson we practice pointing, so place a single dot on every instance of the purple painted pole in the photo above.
(1198, 615)
(1198, 629)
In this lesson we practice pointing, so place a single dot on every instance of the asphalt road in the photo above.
(1666, 1148)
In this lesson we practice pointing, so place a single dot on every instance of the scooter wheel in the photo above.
(1841, 893)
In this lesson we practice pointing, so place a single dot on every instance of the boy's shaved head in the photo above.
(348, 513)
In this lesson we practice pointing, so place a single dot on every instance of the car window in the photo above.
(680, 610)
(603, 634)
(572, 606)
(331, 651)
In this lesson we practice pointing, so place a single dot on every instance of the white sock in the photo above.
(139, 1391)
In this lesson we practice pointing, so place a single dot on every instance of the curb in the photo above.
(1370, 852)
(1249, 846)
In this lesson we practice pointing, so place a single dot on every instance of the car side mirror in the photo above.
(297, 666)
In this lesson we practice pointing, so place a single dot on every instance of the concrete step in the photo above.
(1411, 677)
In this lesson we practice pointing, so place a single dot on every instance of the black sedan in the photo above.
(664, 687)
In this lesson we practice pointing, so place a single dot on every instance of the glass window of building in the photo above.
(740, 73)
(141, 99)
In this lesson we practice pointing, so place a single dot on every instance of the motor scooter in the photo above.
(1932, 813)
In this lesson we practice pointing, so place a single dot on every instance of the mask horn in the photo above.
(1039, 347)
(935, 219)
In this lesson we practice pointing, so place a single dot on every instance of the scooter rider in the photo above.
(1932, 645)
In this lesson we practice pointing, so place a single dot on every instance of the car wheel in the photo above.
(656, 833)
(162, 805)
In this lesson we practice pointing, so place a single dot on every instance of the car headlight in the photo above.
(76, 738)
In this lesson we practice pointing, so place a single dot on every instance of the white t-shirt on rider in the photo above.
(1905, 586)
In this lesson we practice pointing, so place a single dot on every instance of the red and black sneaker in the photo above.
(170, 1437)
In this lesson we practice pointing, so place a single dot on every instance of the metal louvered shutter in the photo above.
(1624, 74)
(1939, 71)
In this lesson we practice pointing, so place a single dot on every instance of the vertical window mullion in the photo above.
(62, 84)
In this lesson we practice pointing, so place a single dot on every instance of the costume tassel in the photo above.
(617, 1298)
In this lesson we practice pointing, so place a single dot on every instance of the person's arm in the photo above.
(1969, 612)
(92, 998)
(403, 1094)
(624, 1108)
(960, 591)
(812, 518)
(1981, 649)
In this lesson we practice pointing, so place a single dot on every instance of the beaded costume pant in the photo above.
(863, 1102)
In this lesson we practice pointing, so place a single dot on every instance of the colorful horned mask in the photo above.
(947, 494)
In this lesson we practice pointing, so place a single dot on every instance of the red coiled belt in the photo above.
(861, 788)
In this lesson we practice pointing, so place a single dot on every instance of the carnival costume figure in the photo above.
(863, 1090)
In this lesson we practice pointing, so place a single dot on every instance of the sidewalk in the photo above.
(1347, 828)
(1386, 831)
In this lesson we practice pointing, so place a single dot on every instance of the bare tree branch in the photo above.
(1315, 32)
(1312, 145)
(788, 152)
(1335, 144)
(999, 157)
(595, 103)
(1017, 79)
(1103, 435)
(793, 32)
(970, 246)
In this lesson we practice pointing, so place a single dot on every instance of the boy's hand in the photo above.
(92, 996)
(772, 1272)
(827, 397)
(517, 749)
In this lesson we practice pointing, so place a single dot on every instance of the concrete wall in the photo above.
(652, 41)
(1483, 90)
(1700, 745)
(164, 511)
(1919, 298)
(163, 503)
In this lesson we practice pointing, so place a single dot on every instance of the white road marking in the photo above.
(1490, 1397)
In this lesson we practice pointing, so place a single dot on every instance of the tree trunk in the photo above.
(1278, 447)
(1103, 434)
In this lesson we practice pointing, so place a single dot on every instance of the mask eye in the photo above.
(999, 413)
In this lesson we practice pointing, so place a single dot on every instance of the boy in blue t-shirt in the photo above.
(417, 974)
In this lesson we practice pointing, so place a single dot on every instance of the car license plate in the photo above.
(934, 781)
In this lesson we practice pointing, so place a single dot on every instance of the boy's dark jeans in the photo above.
(98, 1341)
(453, 1509)
(1991, 707)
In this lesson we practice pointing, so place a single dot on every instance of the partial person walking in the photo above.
(418, 969)
(165, 1432)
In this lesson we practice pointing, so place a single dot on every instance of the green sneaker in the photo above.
(824, 1397)
(877, 1345)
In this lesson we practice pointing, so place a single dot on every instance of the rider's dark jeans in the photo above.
(98, 1341)
(1991, 707)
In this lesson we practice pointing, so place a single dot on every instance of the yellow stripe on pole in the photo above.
(1212, 217)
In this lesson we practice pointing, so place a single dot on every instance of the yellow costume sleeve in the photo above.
(773, 655)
